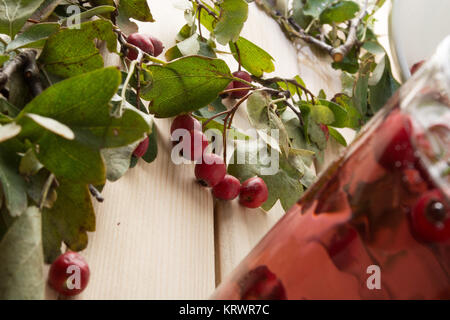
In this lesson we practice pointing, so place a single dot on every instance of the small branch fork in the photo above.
(24, 62)
(294, 31)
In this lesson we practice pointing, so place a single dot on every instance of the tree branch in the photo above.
(293, 31)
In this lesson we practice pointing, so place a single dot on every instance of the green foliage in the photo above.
(254, 59)
(14, 14)
(339, 12)
(34, 36)
(184, 85)
(21, 270)
(71, 52)
(69, 220)
(233, 14)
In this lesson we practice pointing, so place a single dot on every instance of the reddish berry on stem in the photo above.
(158, 46)
(261, 284)
(227, 189)
(253, 192)
(431, 217)
(69, 274)
(141, 149)
(193, 144)
(237, 84)
(141, 41)
(185, 121)
(211, 170)
(393, 147)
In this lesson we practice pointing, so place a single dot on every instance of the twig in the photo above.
(45, 190)
(138, 86)
(95, 193)
(209, 11)
(269, 81)
(293, 31)
(24, 62)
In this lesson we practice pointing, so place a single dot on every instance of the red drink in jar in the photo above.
(376, 225)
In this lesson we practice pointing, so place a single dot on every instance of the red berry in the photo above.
(237, 84)
(142, 42)
(393, 147)
(431, 217)
(141, 149)
(158, 45)
(227, 189)
(325, 130)
(193, 144)
(211, 170)
(185, 121)
(261, 284)
(253, 193)
(69, 274)
(416, 66)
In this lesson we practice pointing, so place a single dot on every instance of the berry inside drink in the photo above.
(376, 225)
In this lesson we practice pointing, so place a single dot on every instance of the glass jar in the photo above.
(376, 225)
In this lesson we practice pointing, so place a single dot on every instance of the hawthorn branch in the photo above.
(200, 5)
(24, 62)
(269, 81)
(293, 31)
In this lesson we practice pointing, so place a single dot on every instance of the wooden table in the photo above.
(162, 236)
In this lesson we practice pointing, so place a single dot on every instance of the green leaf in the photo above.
(52, 125)
(233, 14)
(136, 9)
(9, 131)
(33, 36)
(184, 85)
(117, 161)
(253, 58)
(339, 12)
(69, 220)
(353, 115)
(384, 89)
(29, 164)
(14, 14)
(85, 15)
(258, 115)
(21, 270)
(70, 159)
(360, 93)
(284, 184)
(81, 103)
(340, 114)
(13, 185)
(72, 52)
(316, 135)
(152, 150)
(322, 114)
(299, 16)
(337, 136)
(315, 7)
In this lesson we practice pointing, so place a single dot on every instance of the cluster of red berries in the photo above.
(210, 169)
(146, 43)
(430, 216)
